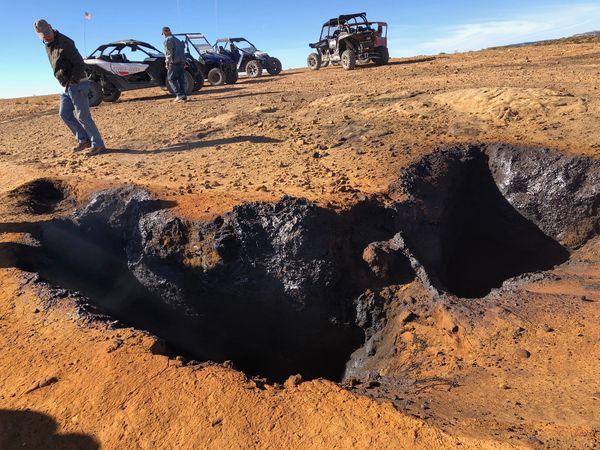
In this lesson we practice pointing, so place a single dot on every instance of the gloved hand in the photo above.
(62, 77)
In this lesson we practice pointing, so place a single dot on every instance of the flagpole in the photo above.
(84, 36)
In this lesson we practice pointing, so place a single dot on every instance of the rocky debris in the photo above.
(382, 257)
(370, 312)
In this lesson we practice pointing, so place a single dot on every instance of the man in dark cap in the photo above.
(175, 60)
(69, 70)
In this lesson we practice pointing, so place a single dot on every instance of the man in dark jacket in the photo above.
(175, 60)
(69, 70)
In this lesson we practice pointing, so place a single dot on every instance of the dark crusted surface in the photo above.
(469, 202)
(559, 193)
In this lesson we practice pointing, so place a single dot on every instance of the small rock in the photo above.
(522, 353)
(548, 329)
(41, 384)
(535, 440)
(229, 365)
(293, 381)
(115, 345)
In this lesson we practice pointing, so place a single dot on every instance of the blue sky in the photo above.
(281, 28)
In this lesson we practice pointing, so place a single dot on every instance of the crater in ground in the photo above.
(40, 196)
(283, 288)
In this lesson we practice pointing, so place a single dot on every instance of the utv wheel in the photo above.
(112, 96)
(190, 84)
(274, 66)
(349, 59)
(254, 69)
(216, 77)
(95, 94)
(198, 83)
(384, 56)
(231, 76)
(314, 61)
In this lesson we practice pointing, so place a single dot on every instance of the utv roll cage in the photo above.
(201, 48)
(345, 18)
(350, 23)
(117, 47)
(252, 47)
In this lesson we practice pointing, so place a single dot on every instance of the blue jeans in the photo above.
(176, 76)
(75, 112)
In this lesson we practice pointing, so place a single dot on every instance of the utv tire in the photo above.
(274, 66)
(216, 77)
(384, 56)
(95, 94)
(231, 76)
(349, 60)
(314, 61)
(190, 84)
(254, 69)
(112, 96)
(198, 83)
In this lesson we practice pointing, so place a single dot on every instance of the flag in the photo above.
(87, 15)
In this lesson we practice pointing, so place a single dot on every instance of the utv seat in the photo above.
(118, 58)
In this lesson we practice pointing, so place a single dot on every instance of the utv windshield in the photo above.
(201, 44)
(245, 46)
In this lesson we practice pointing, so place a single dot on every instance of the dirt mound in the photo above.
(41, 196)
(507, 104)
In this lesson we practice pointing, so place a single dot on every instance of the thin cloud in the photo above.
(554, 22)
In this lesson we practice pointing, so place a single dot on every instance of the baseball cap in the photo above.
(42, 28)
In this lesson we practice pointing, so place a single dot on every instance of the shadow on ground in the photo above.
(412, 61)
(187, 146)
(29, 430)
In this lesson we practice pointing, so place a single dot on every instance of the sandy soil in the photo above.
(332, 137)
